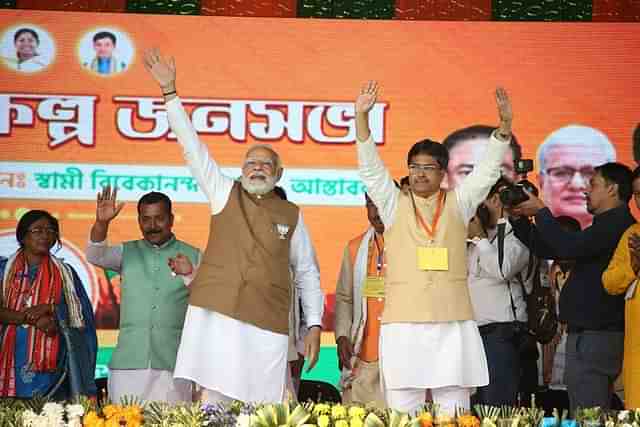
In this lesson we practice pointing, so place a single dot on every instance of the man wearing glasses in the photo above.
(235, 338)
(567, 159)
(428, 337)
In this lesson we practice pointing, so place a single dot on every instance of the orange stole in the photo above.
(369, 348)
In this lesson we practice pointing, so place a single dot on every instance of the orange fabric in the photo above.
(369, 349)
(430, 231)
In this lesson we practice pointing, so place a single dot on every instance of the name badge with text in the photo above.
(374, 287)
(433, 259)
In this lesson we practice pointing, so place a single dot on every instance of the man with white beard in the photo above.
(235, 337)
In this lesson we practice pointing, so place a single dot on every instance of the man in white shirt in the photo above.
(497, 298)
(235, 338)
(428, 338)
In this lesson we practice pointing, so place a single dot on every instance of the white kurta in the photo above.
(222, 354)
(434, 354)
(148, 384)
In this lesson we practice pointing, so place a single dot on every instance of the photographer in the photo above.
(595, 320)
(497, 297)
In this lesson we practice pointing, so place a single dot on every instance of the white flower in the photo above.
(243, 420)
(54, 412)
(75, 422)
(622, 415)
(75, 411)
(29, 418)
(609, 423)
(625, 425)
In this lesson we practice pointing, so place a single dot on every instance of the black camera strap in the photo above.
(531, 265)
(500, 235)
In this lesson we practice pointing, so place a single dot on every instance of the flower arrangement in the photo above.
(628, 418)
(131, 413)
(54, 414)
(115, 416)
(589, 417)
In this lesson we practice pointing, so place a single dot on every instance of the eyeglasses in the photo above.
(43, 230)
(566, 174)
(426, 168)
(263, 164)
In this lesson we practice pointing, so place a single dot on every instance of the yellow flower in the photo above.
(445, 421)
(323, 421)
(112, 422)
(90, 418)
(321, 409)
(357, 412)
(468, 420)
(97, 422)
(110, 410)
(356, 422)
(338, 412)
(426, 419)
(342, 423)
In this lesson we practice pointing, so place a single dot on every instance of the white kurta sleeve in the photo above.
(205, 170)
(102, 255)
(475, 187)
(380, 186)
(306, 274)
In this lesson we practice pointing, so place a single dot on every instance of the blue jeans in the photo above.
(503, 358)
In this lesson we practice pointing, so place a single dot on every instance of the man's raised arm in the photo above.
(380, 186)
(205, 170)
(475, 187)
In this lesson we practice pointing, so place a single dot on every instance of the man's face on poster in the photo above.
(466, 154)
(565, 179)
(104, 47)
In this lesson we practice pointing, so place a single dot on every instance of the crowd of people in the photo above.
(432, 300)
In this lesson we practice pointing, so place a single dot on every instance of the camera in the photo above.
(514, 194)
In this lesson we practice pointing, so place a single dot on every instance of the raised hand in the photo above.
(106, 206)
(162, 69)
(180, 264)
(505, 112)
(367, 97)
(529, 207)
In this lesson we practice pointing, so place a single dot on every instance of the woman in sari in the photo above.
(48, 339)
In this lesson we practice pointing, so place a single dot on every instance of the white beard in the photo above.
(257, 186)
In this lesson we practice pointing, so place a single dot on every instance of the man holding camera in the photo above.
(595, 320)
(496, 295)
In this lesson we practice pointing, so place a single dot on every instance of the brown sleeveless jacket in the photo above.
(244, 273)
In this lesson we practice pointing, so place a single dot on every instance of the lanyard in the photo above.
(430, 231)
(380, 251)
(379, 255)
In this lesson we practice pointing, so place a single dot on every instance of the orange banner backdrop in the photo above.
(70, 122)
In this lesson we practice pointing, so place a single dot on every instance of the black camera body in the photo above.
(514, 194)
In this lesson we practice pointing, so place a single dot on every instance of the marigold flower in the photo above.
(338, 412)
(323, 421)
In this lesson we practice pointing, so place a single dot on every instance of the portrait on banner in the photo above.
(106, 51)
(26, 48)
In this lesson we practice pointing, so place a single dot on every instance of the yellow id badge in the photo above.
(434, 259)
(374, 287)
